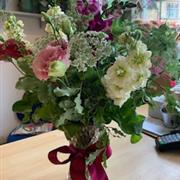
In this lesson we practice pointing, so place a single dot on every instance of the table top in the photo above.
(27, 159)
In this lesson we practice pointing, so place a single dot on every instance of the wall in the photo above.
(9, 76)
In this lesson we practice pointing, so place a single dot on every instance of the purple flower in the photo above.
(89, 7)
(98, 24)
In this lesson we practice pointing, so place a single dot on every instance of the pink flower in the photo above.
(56, 50)
(158, 65)
(172, 83)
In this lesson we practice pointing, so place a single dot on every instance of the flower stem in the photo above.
(17, 68)
(64, 84)
(66, 79)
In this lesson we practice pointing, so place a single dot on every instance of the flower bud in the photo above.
(57, 69)
(67, 27)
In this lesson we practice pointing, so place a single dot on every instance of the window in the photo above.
(172, 10)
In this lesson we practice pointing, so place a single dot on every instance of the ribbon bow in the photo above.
(78, 165)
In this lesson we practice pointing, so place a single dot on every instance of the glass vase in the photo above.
(86, 137)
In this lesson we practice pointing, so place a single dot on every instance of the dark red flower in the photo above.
(13, 49)
(1, 52)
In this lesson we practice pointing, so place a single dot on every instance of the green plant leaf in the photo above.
(65, 92)
(99, 117)
(49, 112)
(22, 106)
(78, 106)
(71, 129)
(66, 104)
(25, 64)
(126, 117)
(68, 115)
(45, 93)
(92, 157)
(135, 138)
(1, 39)
(28, 83)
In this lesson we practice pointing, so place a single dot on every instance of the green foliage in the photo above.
(78, 107)
(25, 64)
(135, 138)
(25, 106)
(162, 42)
(71, 129)
(78, 99)
(65, 92)
(92, 157)
(1, 39)
(172, 104)
(126, 117)
(28, 83)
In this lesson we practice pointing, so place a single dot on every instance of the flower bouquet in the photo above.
(84, 73)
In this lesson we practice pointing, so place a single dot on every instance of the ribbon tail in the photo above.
(96, 169)
(78, 169)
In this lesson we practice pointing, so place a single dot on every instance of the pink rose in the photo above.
(56, 50)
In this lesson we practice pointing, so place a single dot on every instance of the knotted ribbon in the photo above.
(77, 161)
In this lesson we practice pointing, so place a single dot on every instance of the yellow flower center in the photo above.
(138, 59)
(121, 72)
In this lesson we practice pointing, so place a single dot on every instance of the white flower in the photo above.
(142, 77)
(118, 81)
(127, 74)
(55, 11)
(57, 20)
(120, 73)
(14, 28)
(140, 56)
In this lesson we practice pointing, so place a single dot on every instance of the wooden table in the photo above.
(27, 160)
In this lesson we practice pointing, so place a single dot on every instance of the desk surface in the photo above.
(27, 160)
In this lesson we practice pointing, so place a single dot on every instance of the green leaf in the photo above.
(92, 157)
(28, 83)
(78, 106)
(66, 104)
(48, 112)
(103, 139)
(45, 93)
(71, 129)
(65, 92)
(117, 27)
(1, 39)
(26, 118)
(22, 106)
(126, 117)
(135, 138)
(99, 117)
(68, 115)
(110, 2)
(104, 158)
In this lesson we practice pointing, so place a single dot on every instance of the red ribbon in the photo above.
(78, 164)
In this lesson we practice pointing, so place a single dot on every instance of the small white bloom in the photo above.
(140, 56)
(120, 72)
(127, 74)
(14, 28)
